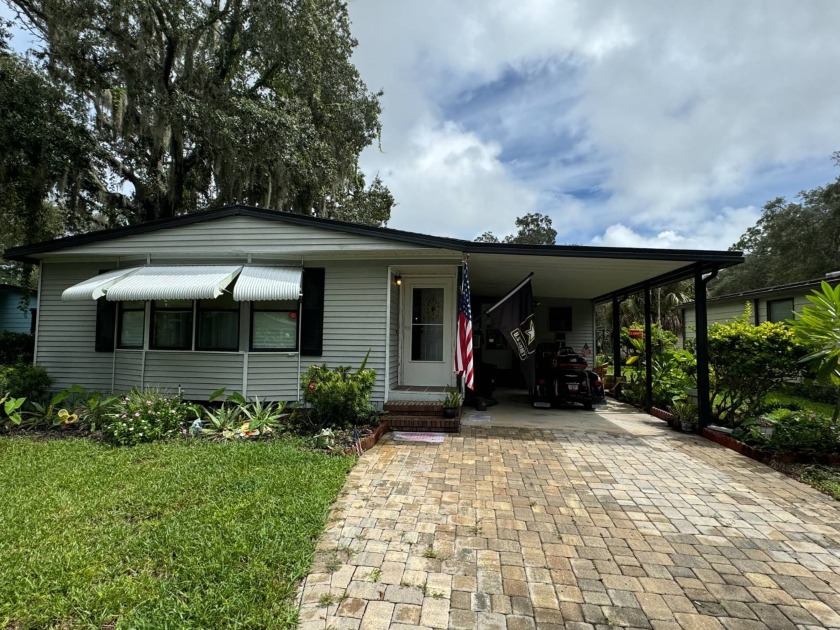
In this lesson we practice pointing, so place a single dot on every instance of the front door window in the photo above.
(427, 324)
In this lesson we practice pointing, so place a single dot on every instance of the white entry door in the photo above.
(428, 351)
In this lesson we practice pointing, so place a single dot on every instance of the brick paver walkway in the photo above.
(517, 528)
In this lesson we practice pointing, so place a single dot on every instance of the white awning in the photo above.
(94, 288)
(198, 282)
(268, 283)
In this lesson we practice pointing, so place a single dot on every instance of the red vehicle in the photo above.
(562, 378)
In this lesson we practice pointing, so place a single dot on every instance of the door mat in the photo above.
(477, 417)
(405, 436)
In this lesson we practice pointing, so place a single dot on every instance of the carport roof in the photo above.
(572, 271)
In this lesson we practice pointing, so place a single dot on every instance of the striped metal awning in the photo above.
(94, 288)
(268, 283)
(194, 282)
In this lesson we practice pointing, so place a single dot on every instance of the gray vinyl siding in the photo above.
(196, 374)
(394, 336)
(128, 370)
(274, 376)
(237, 236)
(12, 318)
(355, 312)
(355, 318)
(67, 330)
(724, 311)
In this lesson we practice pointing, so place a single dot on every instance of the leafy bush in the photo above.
(25, 381)
(146, 417)
(747, 362)
(803, 431)
(337, 397)
(16, 347)
(239, 418)
(818, 326)
(673, 372)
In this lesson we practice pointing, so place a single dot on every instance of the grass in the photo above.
(785, 398)
(826, 479)
(170, 534)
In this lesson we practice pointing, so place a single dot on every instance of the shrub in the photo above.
(337, 397)
(25, 381)
(146, 417)
(243, 419)
(16, 347)
(803, 431)
(818, 326)
(747, 362)
(673, 372)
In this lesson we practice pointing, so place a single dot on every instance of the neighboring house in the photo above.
(247, 298)
(13, 318)
(773, 304)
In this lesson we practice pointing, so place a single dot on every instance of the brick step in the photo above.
(432, 424)
(413, 408)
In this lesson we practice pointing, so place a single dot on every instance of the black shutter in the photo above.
(312, 313)
(106, 317)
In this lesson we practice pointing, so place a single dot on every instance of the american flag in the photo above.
(464, 347)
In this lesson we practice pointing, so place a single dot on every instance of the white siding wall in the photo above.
(66, 330)
(582, 331)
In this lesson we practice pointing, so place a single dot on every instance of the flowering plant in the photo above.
(146, 417)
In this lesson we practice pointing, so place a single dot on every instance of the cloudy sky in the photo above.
(661, 124)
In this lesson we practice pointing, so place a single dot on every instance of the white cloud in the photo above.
(670, 114)
(716, 232)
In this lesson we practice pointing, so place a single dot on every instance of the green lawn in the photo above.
(782, 396)
(172, 534)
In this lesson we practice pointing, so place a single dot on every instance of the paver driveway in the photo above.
(523, 528)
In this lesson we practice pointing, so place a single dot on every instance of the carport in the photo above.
(596, 275)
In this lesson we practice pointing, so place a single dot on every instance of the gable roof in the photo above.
(27, 253)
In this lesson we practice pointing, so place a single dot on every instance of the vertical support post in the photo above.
(701, 318)
(616, 337)
(648, 351)
(756, 315)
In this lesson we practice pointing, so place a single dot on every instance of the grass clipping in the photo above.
(169, 534)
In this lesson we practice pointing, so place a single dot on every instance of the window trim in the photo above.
(153, 312)
(118, 341)
(197, 326)
(777, 301)
(255, 309)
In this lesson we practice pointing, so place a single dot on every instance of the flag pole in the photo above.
(511, 292)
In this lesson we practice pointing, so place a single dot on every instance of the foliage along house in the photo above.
(770, 304)
(246, 298)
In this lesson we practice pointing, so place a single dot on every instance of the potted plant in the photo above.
(685, 414)
(451, 404)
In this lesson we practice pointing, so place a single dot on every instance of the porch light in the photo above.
(398, 280)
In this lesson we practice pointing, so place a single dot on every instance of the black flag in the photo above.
(514, 316)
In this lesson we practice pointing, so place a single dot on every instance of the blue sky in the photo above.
(654, 123)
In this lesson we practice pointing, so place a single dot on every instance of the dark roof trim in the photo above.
(25, 253)
(779, 288)
(683, 273)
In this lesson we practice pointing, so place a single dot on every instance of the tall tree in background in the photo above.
(194, 104)
(792, 241)
(46, 162)
(532, 229)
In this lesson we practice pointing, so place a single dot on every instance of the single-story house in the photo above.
(13, 318)
(771, 304)
(247, 298)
